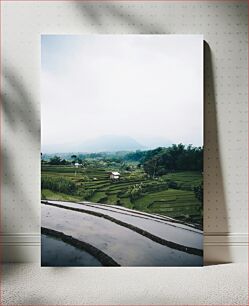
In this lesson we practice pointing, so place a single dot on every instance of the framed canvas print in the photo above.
(122, 150)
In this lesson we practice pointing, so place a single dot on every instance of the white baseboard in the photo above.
(20, 247)
(218, 247)
(225, 247)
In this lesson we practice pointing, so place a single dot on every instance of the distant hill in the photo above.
(106, 143)
(111, 143)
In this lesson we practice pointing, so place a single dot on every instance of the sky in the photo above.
(148, 87)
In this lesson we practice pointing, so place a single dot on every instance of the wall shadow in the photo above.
(214, 194)
(19, 117)
(19, 111)
(17, 105)
(95, 13)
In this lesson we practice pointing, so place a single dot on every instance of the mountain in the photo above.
(111, 143)
(106, 143)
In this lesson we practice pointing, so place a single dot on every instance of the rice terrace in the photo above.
(174, 194)
(134, 184)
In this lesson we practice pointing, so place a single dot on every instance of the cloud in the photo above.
(142, 86)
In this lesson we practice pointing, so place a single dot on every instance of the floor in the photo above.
(29, 284)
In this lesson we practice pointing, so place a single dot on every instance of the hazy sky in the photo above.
(143, 86)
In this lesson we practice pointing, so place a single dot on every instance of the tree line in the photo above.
(161, 160)
(155, 162)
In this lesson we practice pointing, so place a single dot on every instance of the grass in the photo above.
(169, 197)
(47, 194)
(186, 178)
(112, 199)
(173, 203)
(181, 204)
(126, 202)
(97, 196)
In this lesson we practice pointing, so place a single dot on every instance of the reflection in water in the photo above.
(123, 245)
(55, 252)
(178, 233)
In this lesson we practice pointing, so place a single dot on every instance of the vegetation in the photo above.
(166, 181)
(59, 184)
(176, 158)
(48, 194)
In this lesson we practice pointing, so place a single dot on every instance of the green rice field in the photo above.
(133, 190)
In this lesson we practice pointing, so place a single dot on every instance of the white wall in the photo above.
(224, 26)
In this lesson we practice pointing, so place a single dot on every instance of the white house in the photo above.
(77, 165)
(114, 175)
